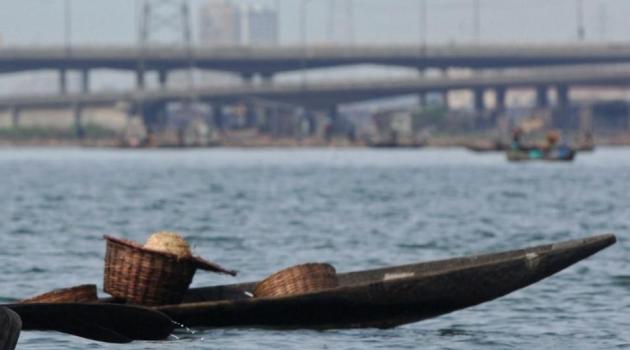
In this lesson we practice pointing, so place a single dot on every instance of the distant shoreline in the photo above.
(473, 144)
(484, 140)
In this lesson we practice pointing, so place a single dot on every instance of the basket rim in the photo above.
(199, 262)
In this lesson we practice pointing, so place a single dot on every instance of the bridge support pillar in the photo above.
(333, 128)
(15, 117)
(499, 106)
(272, 121)
(267, 79)
(154, 118)
(480, 105)
(63, 81)
(444, 99)
(218, 116)
(251, 115)
(585, 118)
(85, 81)
(542, 98)
(563, 115)
(499, 96)
(563, 96)
(140, 79)
(422, 99)
(248, 78)
(311, 123)
(163, 78)
(77, 110)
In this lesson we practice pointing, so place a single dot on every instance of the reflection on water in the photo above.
(262, 210)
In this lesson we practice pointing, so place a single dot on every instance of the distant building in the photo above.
(220, 24)
(261, 26)
(223, 23)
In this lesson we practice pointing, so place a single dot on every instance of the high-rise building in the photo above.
(261, 26)
(220, 23)
(223, 23)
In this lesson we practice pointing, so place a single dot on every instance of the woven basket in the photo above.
(80, 294)
(299, 279)
(148, 277)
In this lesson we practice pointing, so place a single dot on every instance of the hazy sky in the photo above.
(98, 22)
(112, 22)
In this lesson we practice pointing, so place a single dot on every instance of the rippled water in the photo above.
(262, 210)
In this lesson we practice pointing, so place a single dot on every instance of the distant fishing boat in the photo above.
(504, 148)
(560, 154)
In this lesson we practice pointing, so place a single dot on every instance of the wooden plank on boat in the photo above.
(10, 326)
(387, 297)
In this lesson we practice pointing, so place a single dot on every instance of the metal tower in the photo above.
(341, 21)
(164, 23)
(579, 14)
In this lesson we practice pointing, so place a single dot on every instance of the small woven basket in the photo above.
(79, 294)
(148, 277)
(306, 278)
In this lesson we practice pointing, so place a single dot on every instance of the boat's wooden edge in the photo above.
(234, 292)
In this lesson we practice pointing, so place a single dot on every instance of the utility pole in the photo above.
(579, 9)
(167, 24)
(350, 21)
(278, 8)
(422, 24)
(340, 23)
(602, 18)
(163, 24)
(303, 38)
(68, 24)
(477, 21)
(332, 9)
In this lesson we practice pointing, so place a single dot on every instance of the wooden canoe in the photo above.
(10, 327)
(386, 297)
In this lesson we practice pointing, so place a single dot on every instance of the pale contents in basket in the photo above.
(169, 242)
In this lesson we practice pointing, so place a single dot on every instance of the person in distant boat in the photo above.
(517, 142)
(587, 142)
(552, 138)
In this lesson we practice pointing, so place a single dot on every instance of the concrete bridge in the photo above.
(328, 96)
(266, 62)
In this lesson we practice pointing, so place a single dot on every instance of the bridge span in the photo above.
(151, 105)
(266, 62)
(321, 95)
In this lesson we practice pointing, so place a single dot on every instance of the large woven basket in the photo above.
(148, 277)
(306, 278)
(79, 294)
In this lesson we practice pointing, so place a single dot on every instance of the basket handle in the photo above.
(210, 266)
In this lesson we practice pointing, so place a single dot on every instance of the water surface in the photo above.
(262, 210)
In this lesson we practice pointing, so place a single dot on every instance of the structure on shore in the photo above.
(269, 108)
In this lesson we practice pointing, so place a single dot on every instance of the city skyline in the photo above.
(448, 21)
